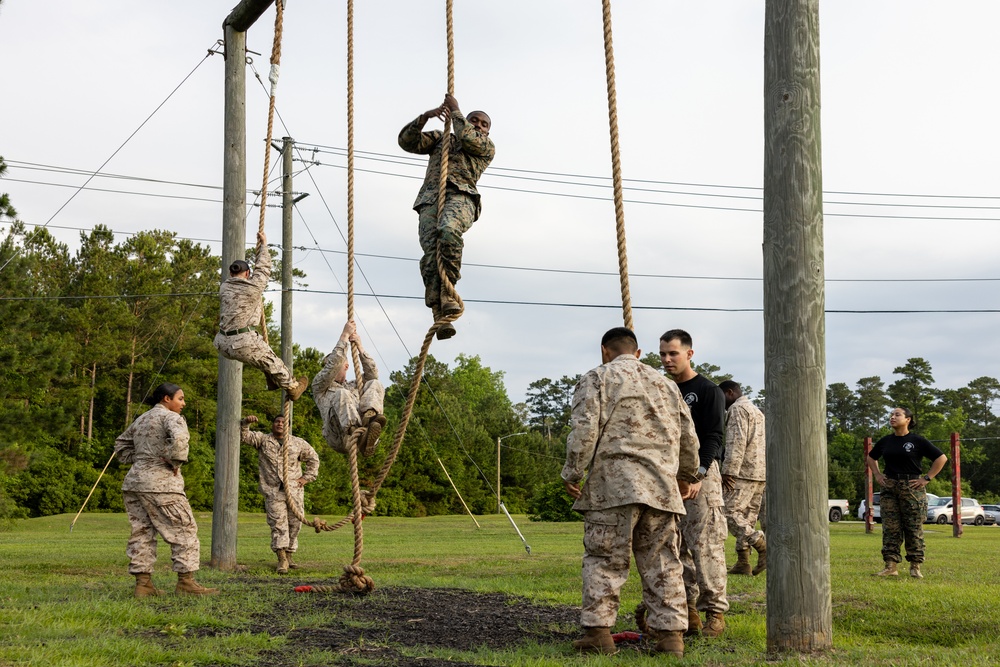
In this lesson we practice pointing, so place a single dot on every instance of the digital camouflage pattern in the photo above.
(342, 405)
(742, 509)
(632, 435)
(240, 305)
(745, 462)
(745, 441)
(703, 541)
(156, 444)
(631, 428)
(903, 510)
(284, 525)
(469, 153)
(610, 537)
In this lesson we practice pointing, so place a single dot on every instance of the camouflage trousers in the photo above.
(284, 524)
(609, 538)
(703, 552)
(903, 511)
(345, 411)
(252, 350)
(742, 508)
(170, 516)
(446, 234)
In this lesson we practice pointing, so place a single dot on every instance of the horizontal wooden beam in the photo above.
(246, 14)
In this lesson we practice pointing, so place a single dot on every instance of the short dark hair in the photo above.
(238, 267)
(730, 385)
(620, 339)
(167, 389)
(482, 112)
(683, 336)
(908, 414)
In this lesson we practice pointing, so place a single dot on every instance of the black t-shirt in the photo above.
(708, 412)
(902, 453)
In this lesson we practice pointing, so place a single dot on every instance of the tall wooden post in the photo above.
(956, 486)
(869, 495)
(286, 255)
(234, 186)
(799, 613)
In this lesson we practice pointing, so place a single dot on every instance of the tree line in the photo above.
(88, 334)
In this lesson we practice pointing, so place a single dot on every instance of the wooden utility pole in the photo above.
(234, 187)
(799, 614)
(287, 201)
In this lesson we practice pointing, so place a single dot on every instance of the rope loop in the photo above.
(354, 580)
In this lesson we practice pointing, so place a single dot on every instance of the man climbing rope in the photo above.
(240, 307)
(345, 408)
(470, 151)
(284, 524)
(634, 442)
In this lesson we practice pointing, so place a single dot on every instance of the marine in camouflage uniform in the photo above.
(743, 475)
(156, 445)
(270, 456)
(343, 407)
(633, 438)
(470, 151)
(240, 307)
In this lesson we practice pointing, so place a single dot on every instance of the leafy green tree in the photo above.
(914, 389)
(871, 407)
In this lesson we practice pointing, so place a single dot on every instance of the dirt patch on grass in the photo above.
(373, 629)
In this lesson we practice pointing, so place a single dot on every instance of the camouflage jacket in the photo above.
(240, 300)
(270, 459)
(325, 380)
(744, 441)
(469, 154)
(156, 444)
(633, 432)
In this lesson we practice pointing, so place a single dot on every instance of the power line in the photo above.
(518, 303)
(505, 267)
(210, 52)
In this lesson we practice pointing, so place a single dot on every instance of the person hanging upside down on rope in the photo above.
(284, 524)
(240, 304)
(470, 152)
(346, 409)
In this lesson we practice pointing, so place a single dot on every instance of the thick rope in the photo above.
(356, 356)
(279, 6)
(616, 167)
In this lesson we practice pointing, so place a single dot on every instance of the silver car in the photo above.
(992, 514)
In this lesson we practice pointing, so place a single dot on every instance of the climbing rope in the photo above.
(616, 167)
(279, 6)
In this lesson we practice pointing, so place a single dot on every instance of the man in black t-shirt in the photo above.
(703, 528)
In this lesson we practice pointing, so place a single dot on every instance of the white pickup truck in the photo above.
(838, 510)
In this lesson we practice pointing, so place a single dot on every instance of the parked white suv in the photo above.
(941, 511)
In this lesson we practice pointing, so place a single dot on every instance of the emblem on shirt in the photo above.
(691, 398)
(908, 447)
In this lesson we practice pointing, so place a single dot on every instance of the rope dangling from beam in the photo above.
(446, 284)
(279, 6)
(616, 167)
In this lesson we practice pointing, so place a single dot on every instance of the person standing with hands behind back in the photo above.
(904, 499)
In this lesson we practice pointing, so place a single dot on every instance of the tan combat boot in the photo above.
(374, 422)
(144, 587)
(742, 565)
(889, 571)
(186, 585)
(296, 392)
(291, 565)
(714, 624)
(760, 546)
(596, 640)
(915, 571)
(694, 621)
(449, 306)
(282, 561)
(669, 642)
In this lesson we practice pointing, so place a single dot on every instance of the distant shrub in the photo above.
(552, 503)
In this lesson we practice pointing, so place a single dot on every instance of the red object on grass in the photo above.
(303, 589)
(626, 637)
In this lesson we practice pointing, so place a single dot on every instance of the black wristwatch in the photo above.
(700, 475)
(927, 478)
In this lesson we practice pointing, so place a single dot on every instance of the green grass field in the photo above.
(65, 599)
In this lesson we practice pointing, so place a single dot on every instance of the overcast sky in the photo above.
(910, 154)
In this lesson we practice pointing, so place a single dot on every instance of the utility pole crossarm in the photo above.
(246, 14)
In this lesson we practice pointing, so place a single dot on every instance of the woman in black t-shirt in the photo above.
(904, 501)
